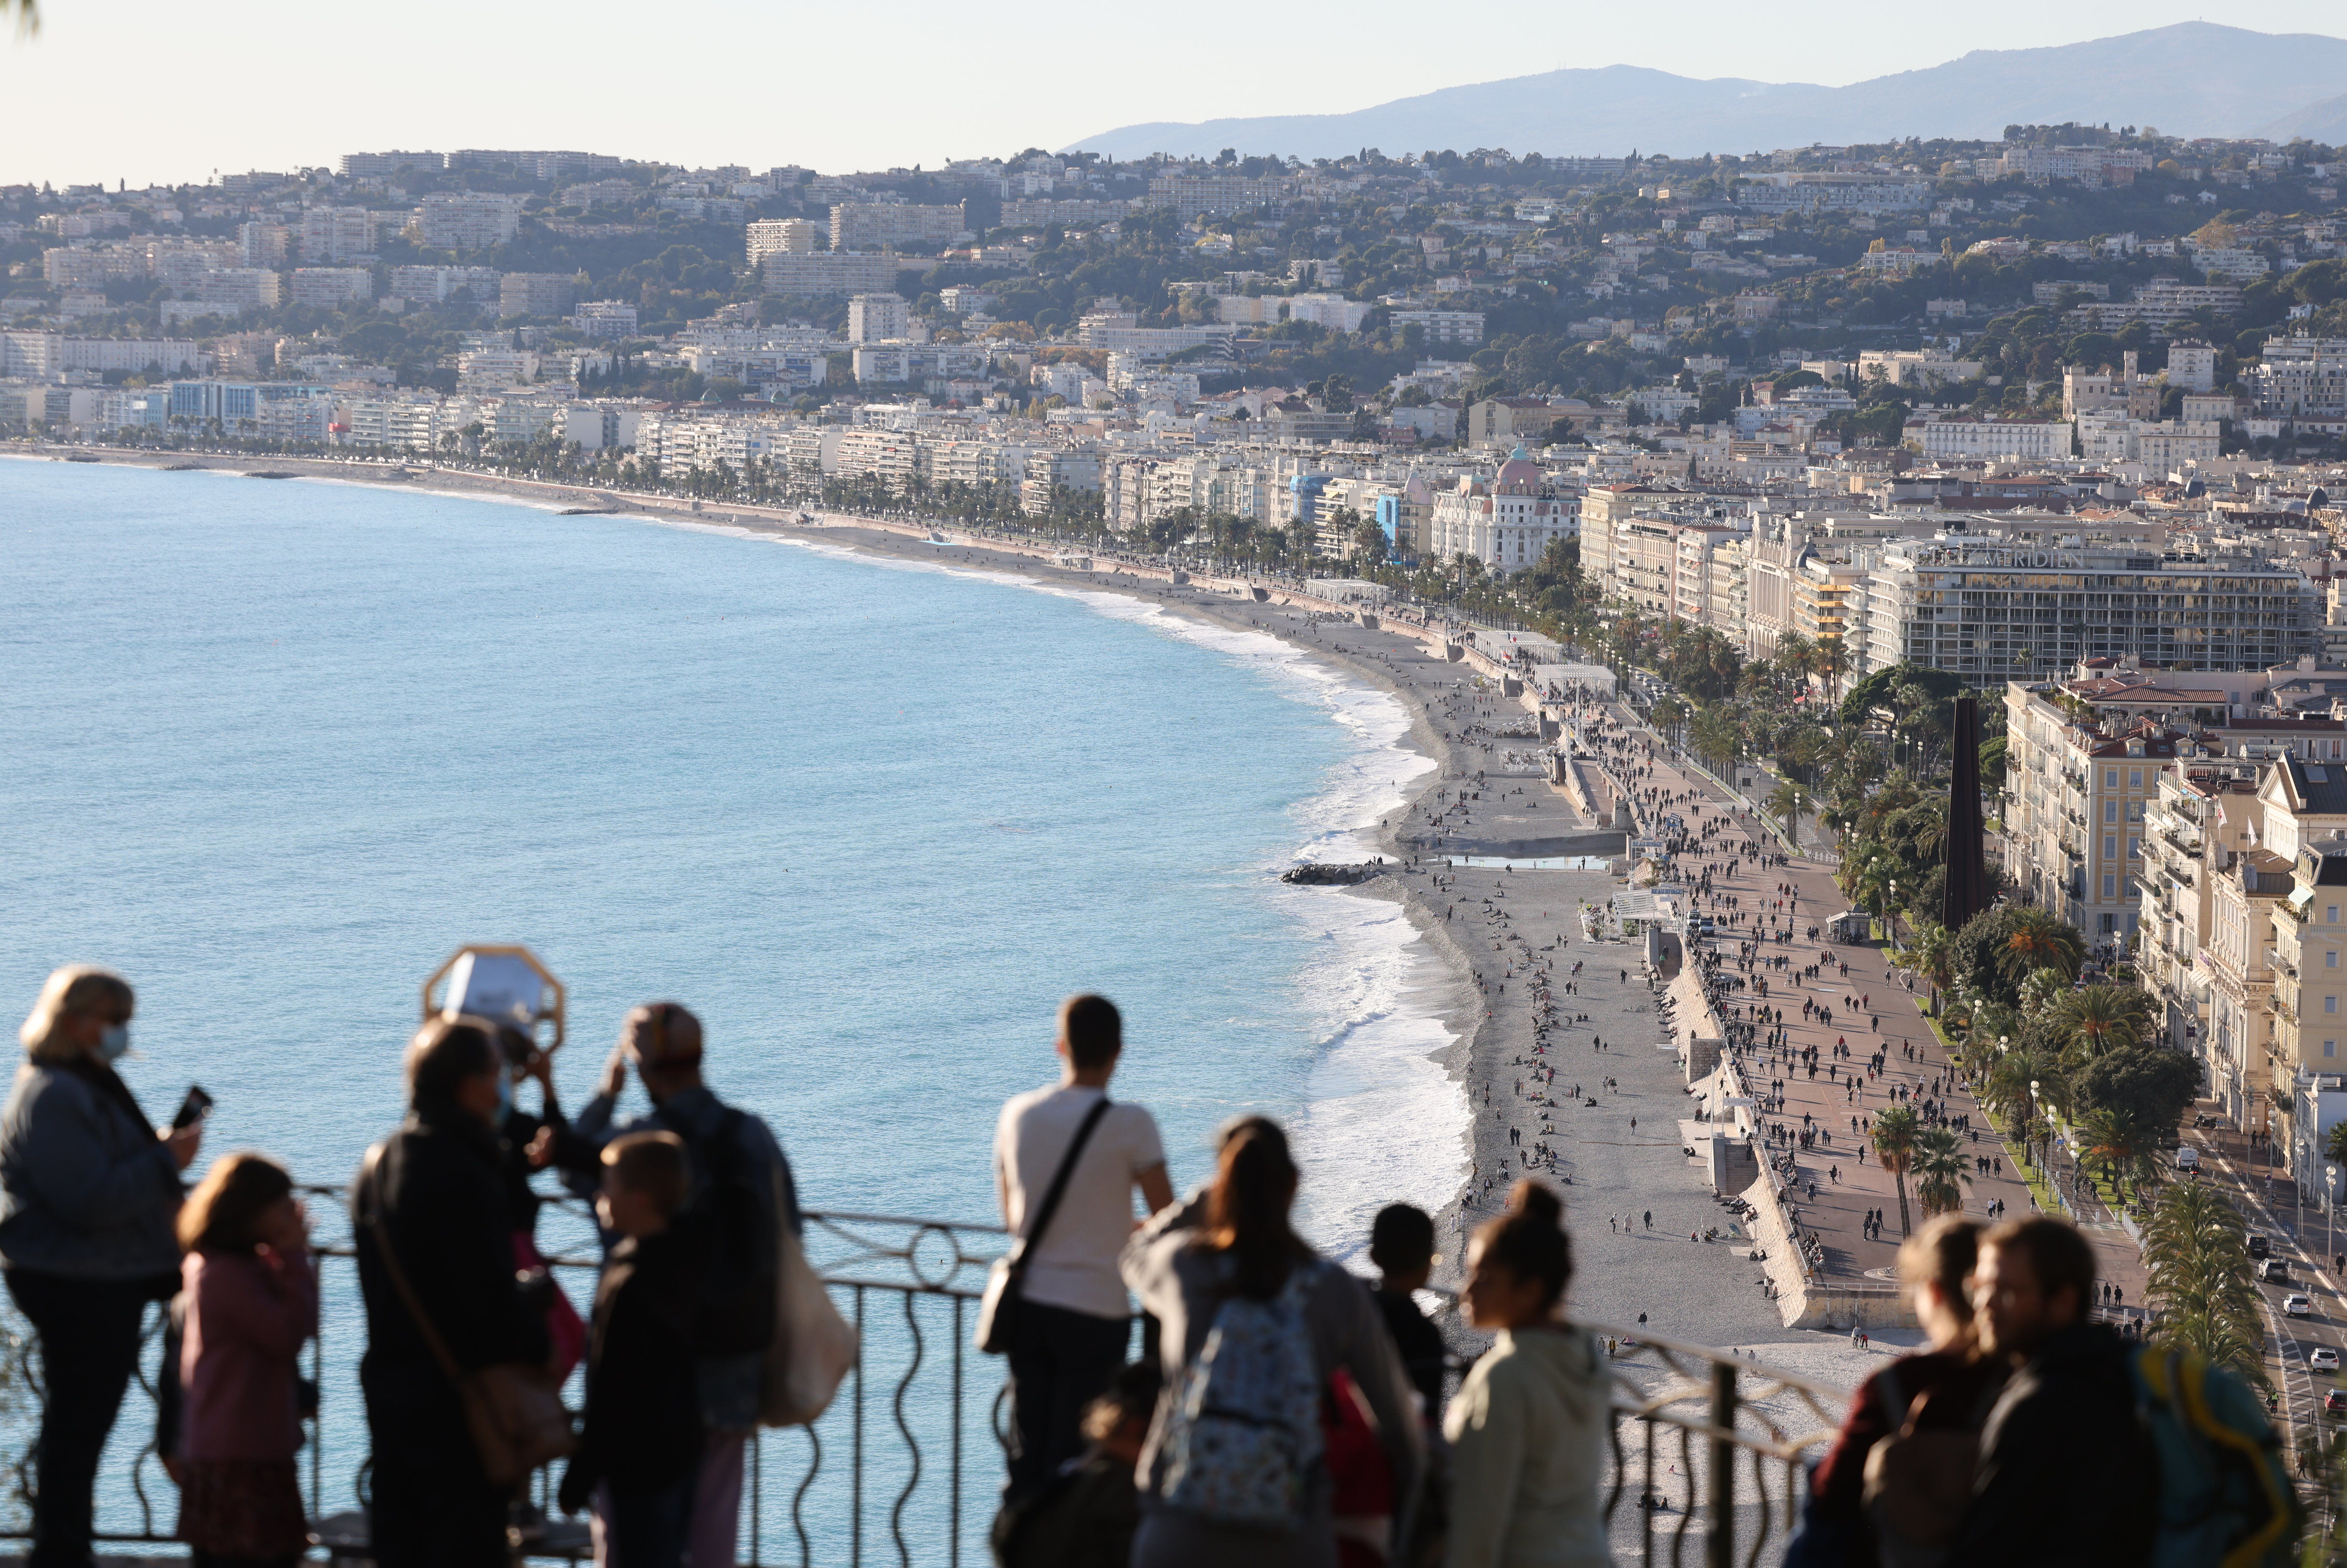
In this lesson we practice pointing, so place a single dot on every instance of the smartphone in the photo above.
(193, 1109)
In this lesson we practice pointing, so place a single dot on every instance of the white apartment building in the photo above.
(331, 235)
(823, 273)
(466, 219)
(605, 318)
(875, 225)
(774, 236)
(330, 288)
(1989, 439)
(2003, 606)
(878, 318)
(2074, 801)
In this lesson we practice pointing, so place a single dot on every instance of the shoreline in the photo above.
(1453, 707)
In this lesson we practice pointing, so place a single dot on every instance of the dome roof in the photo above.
(1519, 475)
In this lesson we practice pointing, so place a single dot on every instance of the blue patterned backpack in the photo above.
(1243, 1439)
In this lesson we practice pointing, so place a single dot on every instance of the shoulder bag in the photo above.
(515, 1414)
(998, 1311)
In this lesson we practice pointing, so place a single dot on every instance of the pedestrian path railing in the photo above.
(905, 1467)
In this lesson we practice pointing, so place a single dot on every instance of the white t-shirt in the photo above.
(1075, 1267)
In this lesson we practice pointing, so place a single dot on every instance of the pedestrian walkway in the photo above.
(1857, 1003)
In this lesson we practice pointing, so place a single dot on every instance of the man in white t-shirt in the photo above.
(1074, 1317)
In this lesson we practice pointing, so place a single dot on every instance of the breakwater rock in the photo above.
(1319, 874)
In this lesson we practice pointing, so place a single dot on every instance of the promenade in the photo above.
(1870, 1008)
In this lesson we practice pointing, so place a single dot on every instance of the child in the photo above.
(1086, 1516)
(641, 1447)
(248, 1296)
(1402, 1245)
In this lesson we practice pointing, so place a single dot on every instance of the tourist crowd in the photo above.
(1278, 1411)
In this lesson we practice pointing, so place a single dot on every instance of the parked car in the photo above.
(2272, 1269)
(2298, 1306)
(2322, 1359)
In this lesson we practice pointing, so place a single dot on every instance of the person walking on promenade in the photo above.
(429, 1206)
(1074, 1318)
(1948, 1378)
(89, 1193)
(2064, 1460)
(1529, 1426)
(641, 1440)
(249, 1302)
(1225, 1268)
(739, 1177)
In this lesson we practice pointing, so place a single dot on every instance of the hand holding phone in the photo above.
(193, 1109)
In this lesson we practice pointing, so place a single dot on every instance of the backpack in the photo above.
(2225, 1497)
(1242, 1430)
(1918, 1483)
(734, 1243)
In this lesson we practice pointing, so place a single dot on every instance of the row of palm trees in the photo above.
(2199, 1250)
(1935, 1157)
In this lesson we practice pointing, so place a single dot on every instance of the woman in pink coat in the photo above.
(249, 1293)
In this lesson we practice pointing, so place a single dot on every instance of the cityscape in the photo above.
(1510, 618)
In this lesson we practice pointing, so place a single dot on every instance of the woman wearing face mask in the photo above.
(89, 1193)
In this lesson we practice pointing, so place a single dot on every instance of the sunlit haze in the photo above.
(145, 91)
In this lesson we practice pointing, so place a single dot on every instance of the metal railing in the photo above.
(1703, 1444)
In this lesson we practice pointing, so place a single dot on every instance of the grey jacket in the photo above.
(87, 1190)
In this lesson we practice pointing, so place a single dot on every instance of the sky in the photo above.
(163, 91)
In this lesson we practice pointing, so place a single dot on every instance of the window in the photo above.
(2135, 847)
(2110, 811)
(2330, 1004)
(2110, 890)
(2330, 959)
(2110, 778)
(2110, 850)
(2329, 1047)
(2331, 918)
(2135, 778)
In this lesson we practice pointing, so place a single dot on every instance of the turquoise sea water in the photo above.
(275, 749)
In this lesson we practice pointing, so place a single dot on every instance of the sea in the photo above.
(274, 750)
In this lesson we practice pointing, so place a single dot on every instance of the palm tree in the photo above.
(2198, 1247)
(2037, 940)
(1787, 802)
(1894, 1140)
(2023, 1079)
(2118, 1139)
(1943, 1170)
(1931, 952)
(2101, 1018)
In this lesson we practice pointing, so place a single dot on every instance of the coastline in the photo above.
(1477, 1035)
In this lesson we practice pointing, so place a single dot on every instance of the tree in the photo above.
(2198, 1247)
(1786, 802)
(1944, 1168)
(2100, 1018)
(2152, 1086)
(2035, 939)
(1370, 542)
(1894, 1138)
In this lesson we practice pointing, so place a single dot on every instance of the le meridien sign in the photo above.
(2004, 558)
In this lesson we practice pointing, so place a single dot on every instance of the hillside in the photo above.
(2195, 79)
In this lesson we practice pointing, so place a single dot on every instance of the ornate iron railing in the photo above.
(1706, 1445)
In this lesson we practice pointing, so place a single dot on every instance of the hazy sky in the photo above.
(149, 90)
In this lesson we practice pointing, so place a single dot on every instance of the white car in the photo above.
(2322, 1359)
(2298, 1306)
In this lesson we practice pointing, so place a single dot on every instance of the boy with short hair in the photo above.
(643, 1438)
(1402, 1245)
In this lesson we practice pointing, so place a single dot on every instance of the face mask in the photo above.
(113, 1042)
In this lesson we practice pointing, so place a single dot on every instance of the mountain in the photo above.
(2195, 79)
(2325, 122)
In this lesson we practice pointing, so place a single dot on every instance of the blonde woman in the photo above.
(89, 1191)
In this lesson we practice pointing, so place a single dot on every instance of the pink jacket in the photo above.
(248, 1314)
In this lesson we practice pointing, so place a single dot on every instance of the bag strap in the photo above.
(1059, 1188)
(390, 1261)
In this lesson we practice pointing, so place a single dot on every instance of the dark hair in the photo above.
(663, 1037)
(1402, 1239)
(1093, 1030)
(1943, 1254)
(652, 1163)
(1131, 1396)
(1528, 1240)
(2058, 1255)
(220, 1214)
(1246, 1209)
(443, 1053)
